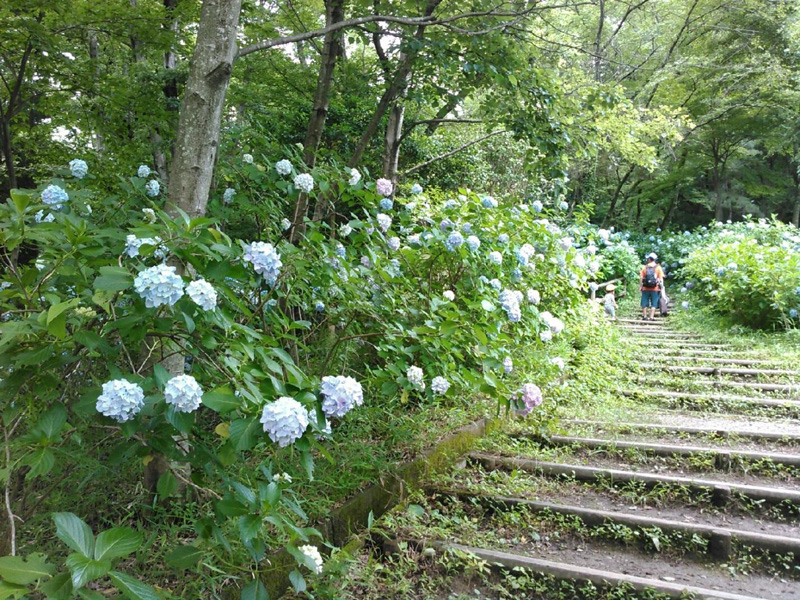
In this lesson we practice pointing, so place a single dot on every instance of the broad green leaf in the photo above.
(58, 309)
(167, 485)
(132, 588)
(59, 587)
(83, 569)
(21, 571)
(255, 590)
(298, 581)
(245, 433)
(11, 590)
(221, 400)
(51, 422)
(40, 462)
(113, 279)
(116, 542)
(76, 534)
(249, 526)
(184, 557)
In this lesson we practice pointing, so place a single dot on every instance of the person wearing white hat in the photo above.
(651, 278)
(610, 302)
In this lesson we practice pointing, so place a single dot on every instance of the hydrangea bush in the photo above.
(180, 340)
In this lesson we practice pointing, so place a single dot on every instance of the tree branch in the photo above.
(452, 152)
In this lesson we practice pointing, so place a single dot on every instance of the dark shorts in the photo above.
(650, 298)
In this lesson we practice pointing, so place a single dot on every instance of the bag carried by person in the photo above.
(650, 280)
(663, 304)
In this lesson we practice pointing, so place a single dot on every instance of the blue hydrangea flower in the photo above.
(78, 168)
(143, 171)
(283, 167)
(416, 189)
(502, 239)
(450, 204)
(793, 313)
(563, 205)
(120, 400)
(439, 385)
(508, 365)
(159, 285)
(319, 306)
(386, 204)
(203, 294)
(446, 224)
(516, 274)
(340, 251)
(227, 195)
(416, 377)
(524, 254)
(284, 421)
(473, 243)
(152, 188)
(340, 395)
(510, 303)
(54, 196)
(184, 393)
(453, 241)
(719, 271)
(265, 260)
(304, 182)
(495, 257)
(537, 206)
(488, 202)
(40, 217)
(495, 283)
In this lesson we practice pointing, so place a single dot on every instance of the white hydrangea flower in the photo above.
(283, 167)
(495, 257)
(184, 393)
(510, 303)
(120, 400)
(40, 217)
(132, 244)
(440, 385)
(355, 177)
(152, 188)
(286, 224)
(416, 189)
(546, 335)
(394, 244)
(143, 171)
(384, 222)
(449, 295)
(78, 168)
(416, 377)
(159, 285)
(313, 553)
(384, 187)
(40, 264)
(473, 243)
(227, 195)
(54, 196)
(149, 215)
(203, 294)
(340, 395)
(304, 182)
(265, 259)
(487, 306)
(345, 230)
(248, 158)
(685, 304)
(533, 296)
(559, 362)
(284, 420)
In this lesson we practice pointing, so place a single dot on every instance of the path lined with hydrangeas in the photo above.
(703, 499)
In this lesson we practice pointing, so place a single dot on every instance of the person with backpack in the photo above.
(652, 278)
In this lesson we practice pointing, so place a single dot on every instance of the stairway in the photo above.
(695, 493)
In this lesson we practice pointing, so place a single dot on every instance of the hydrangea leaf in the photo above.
(221, 400)
(255, 590)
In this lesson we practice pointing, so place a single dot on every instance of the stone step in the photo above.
(790, 403)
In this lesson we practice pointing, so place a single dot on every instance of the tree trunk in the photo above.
(334, 13)
(394, 132)
(8, 153)
(796, 214)
(197, 139)
(615, 198)
(718, 208)
(94, 57)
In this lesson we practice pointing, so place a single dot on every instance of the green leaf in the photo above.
(255, 590)
(83, 569)
(221, 399)
(40, 462)
(415, 510)
(59, 587)
(182, 421)
(132, 588)
(58, 309)
(308, 464)
(249, 526)
(184, 557)
(76, 534)
(245, 433)
(167, 485)
(11, 590)
(113, 279)
(51, 422)
(117, 542)
(22, 199)
(17, 570)
(230, 507)
(298, 581)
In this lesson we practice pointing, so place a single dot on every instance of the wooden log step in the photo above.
(640, 322)
(771, 402)
(593, 518)
(721, 491)
(654, 341)
(728, 370)
(753, 385)
(723, 455)
(580, 573)
(716, 360)
(774, 436)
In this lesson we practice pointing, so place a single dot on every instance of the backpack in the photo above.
(650, 280)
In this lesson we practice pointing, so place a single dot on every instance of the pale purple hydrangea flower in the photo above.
(414, 239)
(384, 187)
(120, 400)
(340, 395)
(546, 335)
(159, 285)
(184, 393)
(439, 385)
(558, 362)
(284, 421)
(508, 365)
(394, 243)
(203, 294)
(531, 397)
(265, 259)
